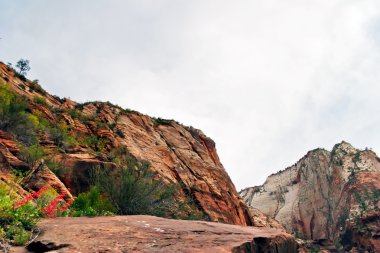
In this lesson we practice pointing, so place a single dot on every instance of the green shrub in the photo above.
(133, 192)
(100, 125)
(70, 141)
(16, 223)
(58, 136)
(75, 114)
(61, 137)
(53, 166)
(34, 86)
(92, 203)
(34, 120)
(90, 140)
(21, 236)
(32, 154)
(79, 106)
(15, 116)
(135, 189)
(39, 100)
(96, 143)
(160, 121)
(43, 122)
(19, 173)
(5, 206)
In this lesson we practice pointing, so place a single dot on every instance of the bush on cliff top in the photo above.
(34, 86)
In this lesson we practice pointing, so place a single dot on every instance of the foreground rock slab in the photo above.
(153, 234)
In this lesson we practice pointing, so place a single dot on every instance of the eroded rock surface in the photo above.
(180, 155)
(317, 198)
(153, 234)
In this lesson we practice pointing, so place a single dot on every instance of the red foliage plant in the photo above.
(29, 198)
(64, 208)
(50, 210)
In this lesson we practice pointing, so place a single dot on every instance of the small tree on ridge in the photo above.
(23, 67)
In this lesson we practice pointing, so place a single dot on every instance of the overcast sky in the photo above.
(268, 80)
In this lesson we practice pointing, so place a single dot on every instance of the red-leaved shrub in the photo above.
(29, 198)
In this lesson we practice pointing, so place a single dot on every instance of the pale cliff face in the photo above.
(181, 155)
(314, 198)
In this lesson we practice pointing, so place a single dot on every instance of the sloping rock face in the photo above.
(39, 176)
(152, 234)
(319, 196)
(94, 133)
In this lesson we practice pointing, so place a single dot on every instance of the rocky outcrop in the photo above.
(42, 176)
(366, 236)
(152, 234)
(8, 150)
(263, 220)
(187, 156)
(90, 134)
(36, 177)
(319, 196)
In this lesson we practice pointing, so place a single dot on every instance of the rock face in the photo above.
(95, 131)
(263, 220)
(152, 234)
(369, 223)
(321, 196)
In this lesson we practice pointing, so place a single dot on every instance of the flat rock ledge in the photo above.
(140, 233)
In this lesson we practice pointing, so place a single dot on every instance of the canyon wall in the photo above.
(93, 134)
(322, 196)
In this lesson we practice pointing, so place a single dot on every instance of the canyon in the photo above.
(178, 154)
(328, 199)
(60, 141)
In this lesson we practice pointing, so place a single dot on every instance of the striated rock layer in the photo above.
(179, 154)
(152, 234)
(318, 198)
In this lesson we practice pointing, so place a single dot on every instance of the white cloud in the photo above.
(267, 80)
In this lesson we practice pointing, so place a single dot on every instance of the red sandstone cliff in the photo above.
(179, 154)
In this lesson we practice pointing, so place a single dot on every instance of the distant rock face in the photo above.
(179, 154)
(153, 234)
(318, 196)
